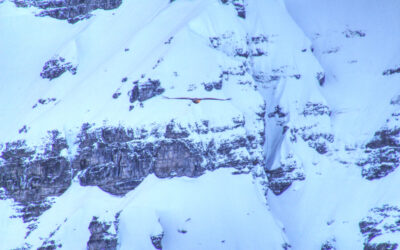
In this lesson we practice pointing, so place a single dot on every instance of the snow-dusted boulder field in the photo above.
(199, 124)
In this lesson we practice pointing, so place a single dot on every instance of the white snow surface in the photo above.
(217, 210)
(192, 213)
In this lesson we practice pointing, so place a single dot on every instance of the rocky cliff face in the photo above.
(383, 151)
(117, 159)
(71, 10)
(30, 178)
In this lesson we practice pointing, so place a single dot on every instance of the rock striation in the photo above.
(103, 235)
(117, 159)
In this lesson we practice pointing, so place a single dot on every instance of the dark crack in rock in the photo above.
(100, 235)
(280, 179)
(56, 67)
(380, 221)
(71, 10)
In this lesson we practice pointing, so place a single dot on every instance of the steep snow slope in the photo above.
(356, 42)
(309, 120)
(191, 213)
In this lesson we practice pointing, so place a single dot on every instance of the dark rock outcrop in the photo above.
(380, 221)
(316, 109)
(391, 71)
(239, 6)
(117, 160)
(280, 179)
(56, 67)
(329, 245)
(100, 235)
(29, 178)
(321, 78)
(71, 10)
(353, 33)
(383, 151)
(316, 137)
(156, 240)
(143, 91)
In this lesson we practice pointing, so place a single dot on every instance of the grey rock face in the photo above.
(280, 179)
(71, 10)
(29, 179)
(380, 221)
(100, 235)
(316, 109)
(156, 240)
(239, 6)
(383, 151)
(56, 67)
(143, 91)
(318, 140)
(117, 160)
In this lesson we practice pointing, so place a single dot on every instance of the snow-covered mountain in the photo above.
(199, 124)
